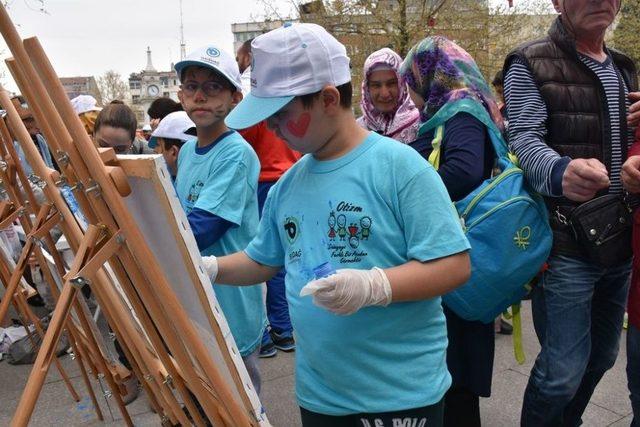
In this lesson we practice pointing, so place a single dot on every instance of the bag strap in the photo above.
(516, 319)
(436, 144)
(473, 107)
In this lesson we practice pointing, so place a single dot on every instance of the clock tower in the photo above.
(148, 85)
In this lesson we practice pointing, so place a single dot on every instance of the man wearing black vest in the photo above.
(568, 97)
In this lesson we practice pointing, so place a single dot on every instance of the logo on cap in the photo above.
(213, 52)
(208, 60)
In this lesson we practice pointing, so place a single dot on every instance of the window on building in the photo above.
(134, 84)
(165, 94)
(135, 98)
(164, 81)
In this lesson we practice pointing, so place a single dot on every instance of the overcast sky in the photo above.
(89, 37)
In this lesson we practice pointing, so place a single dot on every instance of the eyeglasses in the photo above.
(119, 149)
(208, 88)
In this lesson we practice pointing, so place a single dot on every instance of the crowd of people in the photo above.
(349, 223)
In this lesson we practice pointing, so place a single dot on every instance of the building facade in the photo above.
(148, 85)
(244, 31)
(84, 85)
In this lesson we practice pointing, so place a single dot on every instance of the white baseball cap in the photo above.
(215, 58)
(176, 125)
(293, 60)
(83, 103)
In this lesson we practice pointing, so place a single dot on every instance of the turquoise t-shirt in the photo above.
(379, 205)
(223, 181)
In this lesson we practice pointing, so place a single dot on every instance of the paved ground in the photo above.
(609, 406)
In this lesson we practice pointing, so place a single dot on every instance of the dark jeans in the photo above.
(427, 416)
(578, 310)
(470, 361)
(277, 307)
(461, 408)
(633, 372)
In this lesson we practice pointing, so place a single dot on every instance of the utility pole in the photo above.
(183, 50)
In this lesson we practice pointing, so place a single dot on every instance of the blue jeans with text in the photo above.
(578, 309)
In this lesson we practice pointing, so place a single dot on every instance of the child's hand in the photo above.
(349, 290)
(631, 174)
(211, 266)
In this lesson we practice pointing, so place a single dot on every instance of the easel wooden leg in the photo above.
(89, 269)
(43, 361)
(138, 350)
(77, 347)
(26, 316)
(80, 355)
(22, 262)
(22, 303)
(87, 261)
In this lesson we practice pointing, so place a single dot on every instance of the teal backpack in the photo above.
(506, 224)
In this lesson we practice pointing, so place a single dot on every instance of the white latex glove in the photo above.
(349, 290)
(211, 266)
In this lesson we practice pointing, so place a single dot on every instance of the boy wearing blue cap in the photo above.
(216, 184)
(371, 340)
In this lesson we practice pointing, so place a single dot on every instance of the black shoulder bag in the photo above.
(602, 226)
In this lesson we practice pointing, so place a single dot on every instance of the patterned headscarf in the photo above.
(401, 124)
(442, 72)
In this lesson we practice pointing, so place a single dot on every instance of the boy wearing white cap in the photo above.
(371, 342)
(170, 135)
(216, 184)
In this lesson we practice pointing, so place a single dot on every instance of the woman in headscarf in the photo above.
(386, 106)
(456, 108)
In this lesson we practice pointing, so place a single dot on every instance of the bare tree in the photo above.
(488, 31)
(112, 86)
(508, 27)
(627, 34)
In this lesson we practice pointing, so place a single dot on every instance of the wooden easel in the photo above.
(11, 173)
(179, 356)
(151, 373)
(99, 368)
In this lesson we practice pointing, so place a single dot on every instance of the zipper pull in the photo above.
(604, 234)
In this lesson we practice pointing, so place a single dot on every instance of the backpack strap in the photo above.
(516, 319)
(436, 144)
(476, 109)
(518, 350)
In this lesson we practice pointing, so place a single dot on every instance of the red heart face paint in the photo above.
(299, 127)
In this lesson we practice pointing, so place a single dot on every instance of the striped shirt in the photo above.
(527, 112)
